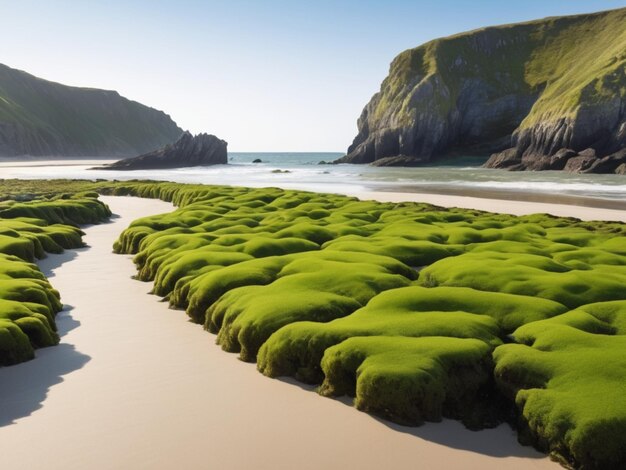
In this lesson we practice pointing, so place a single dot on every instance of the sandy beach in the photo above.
(133, 384)
(506, 206)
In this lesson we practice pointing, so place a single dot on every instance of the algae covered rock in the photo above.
(28, 303)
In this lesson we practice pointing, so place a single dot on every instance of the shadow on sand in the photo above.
(52, 262)
(500, 442)
(25, 386)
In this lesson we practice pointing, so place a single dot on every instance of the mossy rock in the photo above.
(29, 230)
(408, 380)
(566, 376)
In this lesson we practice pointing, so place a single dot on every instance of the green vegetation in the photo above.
(47, 118)
(538, 86)
(568, 85)
(543, 55)
(566, 375)
(418, 312)
(29, 230)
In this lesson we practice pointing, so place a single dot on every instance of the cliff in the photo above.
(42, 118)
(530, 89)
(201, 150)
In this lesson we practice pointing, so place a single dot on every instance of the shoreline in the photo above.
(499, 205)
(509, 195)
(510, 189)
(134, 384)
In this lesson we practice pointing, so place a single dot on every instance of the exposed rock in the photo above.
(536, 164)
(518, 167)
(201, 150)
(560, 158)
(496, 88)
(608, 164)
(588, 153)
(579, 163)
(540, 162)
(400, 160)
(621, 170)
(564, 159)
(257, 160)
(42, 118)
(504, 159)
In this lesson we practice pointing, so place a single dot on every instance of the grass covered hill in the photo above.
(43, 118)
(416, 311)
(536, 87)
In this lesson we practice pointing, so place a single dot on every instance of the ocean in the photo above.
(304, 171)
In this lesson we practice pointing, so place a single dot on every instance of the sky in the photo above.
(263, 75)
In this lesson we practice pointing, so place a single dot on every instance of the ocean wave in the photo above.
(550, 186)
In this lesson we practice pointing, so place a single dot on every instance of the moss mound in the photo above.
(418, 312)
(566, 375)
(408, 380)
(409, 308)
(29, 230)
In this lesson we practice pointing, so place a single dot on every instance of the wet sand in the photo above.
(510, 195)
(135, 385)
(510, 205)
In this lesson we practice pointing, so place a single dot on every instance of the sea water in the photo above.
(304, 171)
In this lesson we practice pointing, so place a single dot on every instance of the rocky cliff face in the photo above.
(201, 150)
(42, 118)
(529, 89)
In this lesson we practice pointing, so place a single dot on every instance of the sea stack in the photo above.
(187, 151)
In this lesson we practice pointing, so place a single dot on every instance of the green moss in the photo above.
(306, 289)
(567, 379)
(407, 307)
(408, 380)
(571, 284)
(29, 230)
(413, 311)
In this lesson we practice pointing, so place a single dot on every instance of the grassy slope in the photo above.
(580, 61)
(80, 121)
(572, 60)
(418, 312)
(28, 303)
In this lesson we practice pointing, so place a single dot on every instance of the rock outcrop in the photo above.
(42, 118)
(201, 150)
(536, 94)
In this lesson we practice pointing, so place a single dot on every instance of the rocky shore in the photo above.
(586, 161)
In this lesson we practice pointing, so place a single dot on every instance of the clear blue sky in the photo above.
(264, 75)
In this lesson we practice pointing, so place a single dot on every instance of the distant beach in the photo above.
(444, 185)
